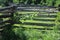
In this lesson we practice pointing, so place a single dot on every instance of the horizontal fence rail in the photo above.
(38, 9)
(30, 8)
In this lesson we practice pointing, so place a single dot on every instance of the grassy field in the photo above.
(32, 32)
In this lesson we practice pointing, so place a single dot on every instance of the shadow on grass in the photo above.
(9, 34)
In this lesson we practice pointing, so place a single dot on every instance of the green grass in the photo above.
(32, 26)
(32, 21)
(35, 34)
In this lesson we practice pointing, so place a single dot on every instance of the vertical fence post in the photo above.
(12, 14)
